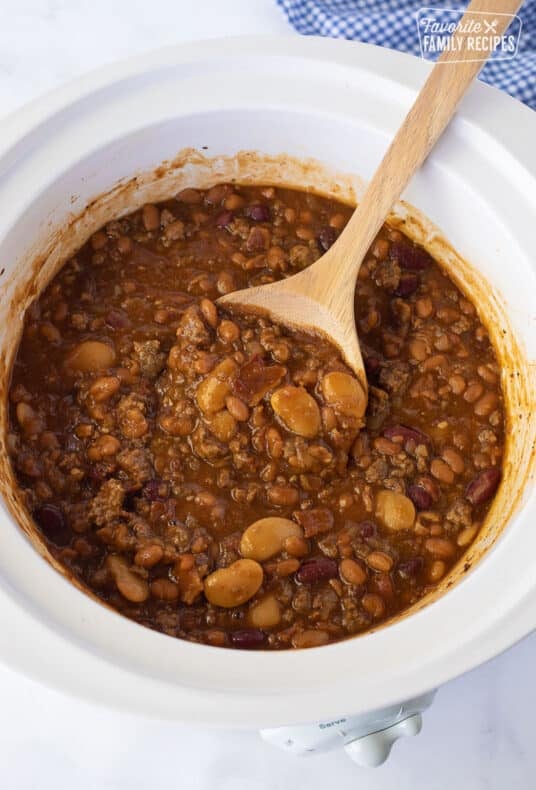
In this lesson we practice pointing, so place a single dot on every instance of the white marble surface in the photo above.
(479, 734)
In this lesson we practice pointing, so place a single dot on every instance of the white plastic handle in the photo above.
(374, 749)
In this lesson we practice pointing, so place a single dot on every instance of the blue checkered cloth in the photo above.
(393, 24)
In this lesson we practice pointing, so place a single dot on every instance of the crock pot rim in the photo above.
(28, 119)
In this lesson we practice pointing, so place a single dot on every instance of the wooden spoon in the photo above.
(321, 297)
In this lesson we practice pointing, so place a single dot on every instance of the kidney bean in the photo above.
(117, 319)
(372, 365)
(258, 213)
(155, 489)
(327, 237)
(407, 285)
(224, 219)
(382, 584)
(247, 638)
(318, 570)
(407, 434)
(53, 524)
(409, 256)
(429, 485)
(483, 486)
(367, 529)
(420, 498)
(410, 568)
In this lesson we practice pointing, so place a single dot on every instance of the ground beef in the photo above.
(377, 471)
(301, 602)
(460, 513)
(325, 602)
(314, 521)
(136, 464)
(387, 275)
(394, 377)
(379, 407)
(229, 550)
(107, 504)
(192, 329)
(149, 357)
(300, 256)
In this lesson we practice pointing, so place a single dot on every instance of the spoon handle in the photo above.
(434, 107)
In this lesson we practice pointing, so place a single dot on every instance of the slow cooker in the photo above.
(308, 113)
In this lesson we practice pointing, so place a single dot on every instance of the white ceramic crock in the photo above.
(338, 103)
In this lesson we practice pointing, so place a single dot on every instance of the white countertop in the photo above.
(478, 735)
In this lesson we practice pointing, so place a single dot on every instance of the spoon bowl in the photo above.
(321, 297)
(299, 303)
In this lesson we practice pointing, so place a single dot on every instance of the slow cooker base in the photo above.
(367, 739)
